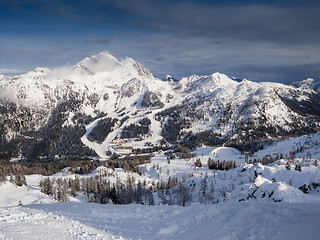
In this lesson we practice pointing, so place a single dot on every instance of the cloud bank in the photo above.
(254, 39)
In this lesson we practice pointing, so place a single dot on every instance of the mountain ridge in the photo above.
(209, 109)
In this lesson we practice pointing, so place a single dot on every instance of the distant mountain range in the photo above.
(102, 106)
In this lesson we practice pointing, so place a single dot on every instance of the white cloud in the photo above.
(10, 71)
(7, 94)
(59, 72)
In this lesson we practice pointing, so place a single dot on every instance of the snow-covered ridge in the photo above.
(93, 75)
(102, 85)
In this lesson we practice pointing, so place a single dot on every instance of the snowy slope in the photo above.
(11, 195)
(252, 219)
(307, 146)
(251, 201)
(221, 221)
(28, 223)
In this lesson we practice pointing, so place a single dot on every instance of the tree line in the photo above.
(99, 190)
(221, 165)
(14, 172)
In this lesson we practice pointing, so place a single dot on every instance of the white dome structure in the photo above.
(225, 154)
(225, 151)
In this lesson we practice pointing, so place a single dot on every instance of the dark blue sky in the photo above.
(257, 40)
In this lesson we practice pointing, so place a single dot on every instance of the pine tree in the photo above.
(161, 196)
(288, 166)
(129, 186)
(183, 194)
(211, 192)
(203, 190)
(298, 167)
(198, 163)
(46, 186)
(113, 195)
(139, 193)
(150, 196)
(73, 188)
(77, 184)
(20, 179)
(170, 199)
(62, 190)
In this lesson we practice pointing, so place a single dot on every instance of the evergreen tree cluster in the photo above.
(14, 118)
(298, 167)
(136, 130)
(266, 161)
(206, 191)
(178, 195)
(55, 138)
(198, 163)
(288, 165)
(15, 173)
(52, 138)
(173, 191)
(100, 132)
(99, 190)
(183, 152)
(70, 144)
(48, 168)
(192, 140)
(128, 163)
(58, 188)
(221, 165)
(171, 130)
(172, 123)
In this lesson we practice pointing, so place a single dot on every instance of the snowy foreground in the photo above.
(249, 220)
(254, 201)
(297, 216)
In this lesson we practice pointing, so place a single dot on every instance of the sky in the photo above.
(260, 40)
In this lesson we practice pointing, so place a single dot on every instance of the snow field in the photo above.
(220, 221)
(10, 194)
(28, 223)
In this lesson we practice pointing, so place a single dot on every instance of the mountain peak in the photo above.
(308, 83)
(102, 62)
(105, 63)
(169, 78)
(222, 79)
(37, 73)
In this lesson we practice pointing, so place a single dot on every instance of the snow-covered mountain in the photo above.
(103, 105)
